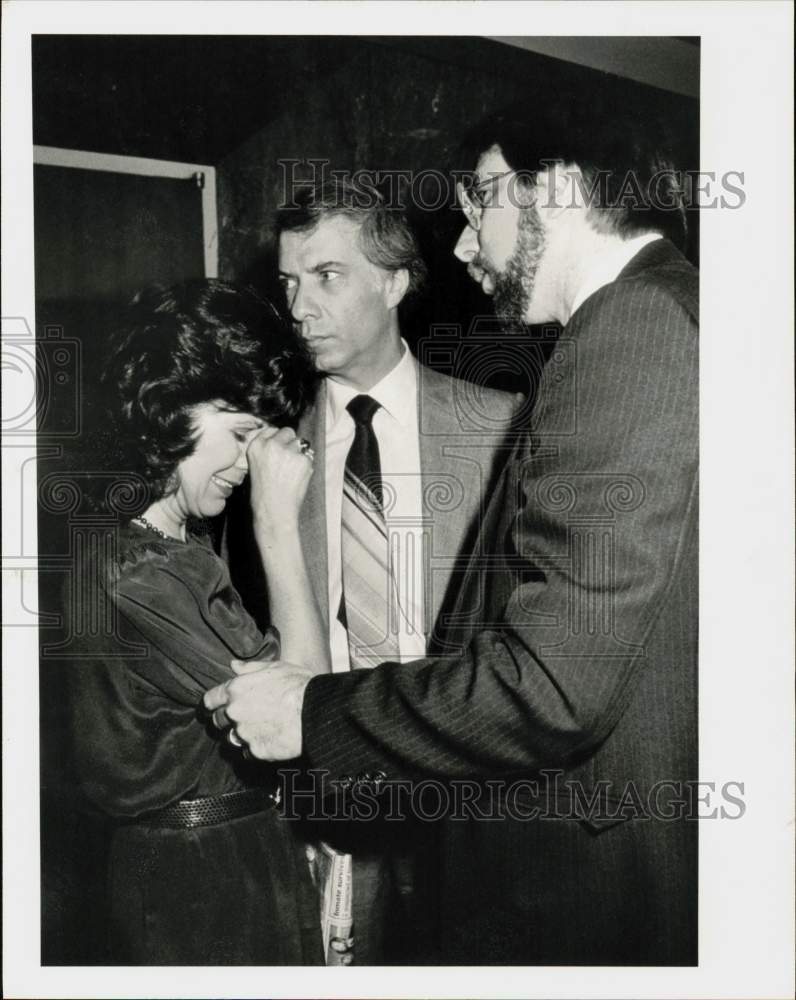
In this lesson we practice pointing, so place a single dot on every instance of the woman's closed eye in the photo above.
(244, 433)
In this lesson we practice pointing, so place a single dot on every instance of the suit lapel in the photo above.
(446, 474)
(452, 485)
(313, 512)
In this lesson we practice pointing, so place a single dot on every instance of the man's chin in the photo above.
(323, 358)
(510, 311)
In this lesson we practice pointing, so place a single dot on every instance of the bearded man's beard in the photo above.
(514, 286)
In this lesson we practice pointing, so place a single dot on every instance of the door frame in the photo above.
(203, 175)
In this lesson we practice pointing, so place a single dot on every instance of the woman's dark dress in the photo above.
(238, 892)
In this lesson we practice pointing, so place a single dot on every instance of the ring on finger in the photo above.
(234, 739)
(306, 448)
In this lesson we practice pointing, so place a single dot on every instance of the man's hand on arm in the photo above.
(263, 704)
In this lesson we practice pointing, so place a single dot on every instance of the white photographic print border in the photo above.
(746, 868)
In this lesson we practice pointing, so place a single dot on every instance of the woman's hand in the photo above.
(280, 467)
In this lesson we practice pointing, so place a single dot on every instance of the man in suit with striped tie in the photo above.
(575, 696)
(390, 436)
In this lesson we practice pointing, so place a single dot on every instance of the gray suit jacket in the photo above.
(464, 437)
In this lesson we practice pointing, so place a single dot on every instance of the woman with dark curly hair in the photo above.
(202, 386)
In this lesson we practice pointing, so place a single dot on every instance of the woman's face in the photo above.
(218, 464)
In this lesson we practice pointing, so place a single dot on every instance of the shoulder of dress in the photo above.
(138, 551)
(134, 555)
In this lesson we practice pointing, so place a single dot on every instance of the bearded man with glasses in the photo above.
(575, 698)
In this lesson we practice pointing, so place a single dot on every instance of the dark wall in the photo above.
(242, 103)
(404, 104)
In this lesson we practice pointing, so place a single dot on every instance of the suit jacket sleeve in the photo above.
(606, 480)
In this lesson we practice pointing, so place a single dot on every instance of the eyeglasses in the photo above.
(474, 198)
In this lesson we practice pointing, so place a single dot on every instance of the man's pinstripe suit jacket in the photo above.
(571, 663)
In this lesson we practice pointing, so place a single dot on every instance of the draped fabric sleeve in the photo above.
(140, 735)
(184, 606)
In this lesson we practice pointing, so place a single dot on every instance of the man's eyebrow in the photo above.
(324, 265)
(327, 265)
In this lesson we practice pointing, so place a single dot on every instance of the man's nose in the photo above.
(467, 245)
(302, 306)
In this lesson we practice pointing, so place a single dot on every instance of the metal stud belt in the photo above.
(189, 813)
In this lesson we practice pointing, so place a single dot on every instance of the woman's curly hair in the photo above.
(199, 342)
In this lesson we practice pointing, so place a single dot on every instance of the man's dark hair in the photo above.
(198, 342)
(385, 236)
(623, 154)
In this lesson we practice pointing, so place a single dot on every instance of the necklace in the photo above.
(148, 524)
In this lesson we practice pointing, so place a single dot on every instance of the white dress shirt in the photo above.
(396, 429)
(608, 266)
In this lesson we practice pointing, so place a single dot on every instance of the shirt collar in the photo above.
(608, 266)
(396, 392)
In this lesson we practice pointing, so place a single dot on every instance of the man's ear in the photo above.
(397, 287)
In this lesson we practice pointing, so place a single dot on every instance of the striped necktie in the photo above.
(369, 609)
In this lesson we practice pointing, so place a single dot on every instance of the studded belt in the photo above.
(190, 813)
